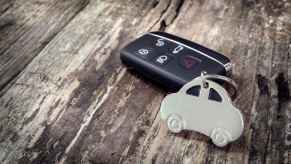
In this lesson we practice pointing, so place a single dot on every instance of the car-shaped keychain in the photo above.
(216, 118)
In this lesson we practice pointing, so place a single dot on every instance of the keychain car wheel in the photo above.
(175, 123)
(220, 137)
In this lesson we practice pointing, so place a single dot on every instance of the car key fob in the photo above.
(172, 61)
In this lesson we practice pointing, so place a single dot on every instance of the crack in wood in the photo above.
(161, 14)
(283, 88)
(6, 21)
(169, 19)
(5, 5)
(263, 85)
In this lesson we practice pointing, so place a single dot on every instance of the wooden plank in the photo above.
(215, 29)
(5, 5)
(57, 93)
(26, 28)
(270, 122)
(82, 106)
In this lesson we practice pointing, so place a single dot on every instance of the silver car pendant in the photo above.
(217, 119)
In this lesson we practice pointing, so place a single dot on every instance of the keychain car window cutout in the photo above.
(219, 120)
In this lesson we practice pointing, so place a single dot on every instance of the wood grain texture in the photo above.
(74, 102)
(26, 27)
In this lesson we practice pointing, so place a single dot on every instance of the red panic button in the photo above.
(189, 61)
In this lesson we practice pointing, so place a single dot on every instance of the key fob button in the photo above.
(144, 52)
(162, 59)
(189, 61)
(160, 43)
(178, 49)
(164, 46)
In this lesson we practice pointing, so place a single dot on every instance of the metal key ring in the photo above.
(224, 79)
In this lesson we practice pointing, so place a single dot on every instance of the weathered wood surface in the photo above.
(66, 98)
(27, 27)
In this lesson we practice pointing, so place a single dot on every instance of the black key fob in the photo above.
(172, 61)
